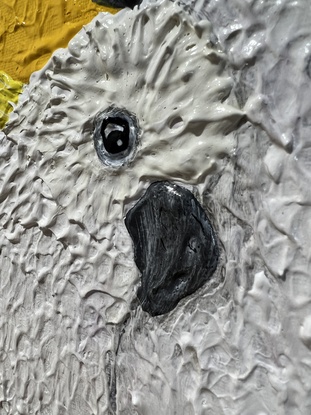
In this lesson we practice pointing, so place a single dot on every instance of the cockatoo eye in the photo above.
(116, 135)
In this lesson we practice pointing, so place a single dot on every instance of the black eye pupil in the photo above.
(115, 133)
(116, 136)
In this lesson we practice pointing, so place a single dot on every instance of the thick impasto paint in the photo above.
(175, 247)
(203, 109)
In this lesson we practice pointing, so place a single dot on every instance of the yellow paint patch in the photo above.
(9, 92)
(30, 31)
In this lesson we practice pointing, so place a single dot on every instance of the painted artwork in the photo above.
(154, 208)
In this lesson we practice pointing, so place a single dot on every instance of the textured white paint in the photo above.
(70, 325)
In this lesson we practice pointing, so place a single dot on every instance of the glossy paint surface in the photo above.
(224, 110)
(175, 247)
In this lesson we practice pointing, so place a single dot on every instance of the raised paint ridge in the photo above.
(73, 336)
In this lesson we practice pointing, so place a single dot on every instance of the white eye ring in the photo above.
(116, 135)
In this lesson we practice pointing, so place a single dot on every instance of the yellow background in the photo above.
(30, 30)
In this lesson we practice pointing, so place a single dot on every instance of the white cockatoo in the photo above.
(202, 106)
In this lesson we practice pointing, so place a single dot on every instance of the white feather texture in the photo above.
(68, 271)
(73, 339)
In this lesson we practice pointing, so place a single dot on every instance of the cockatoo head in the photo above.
(139, 99)
(153, 76)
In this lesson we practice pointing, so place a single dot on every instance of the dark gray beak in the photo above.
(175, 247)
